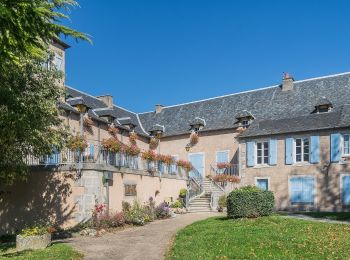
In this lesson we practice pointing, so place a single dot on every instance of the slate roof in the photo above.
(337, 118)
(275, 111)
(117, 112)
(265, 104)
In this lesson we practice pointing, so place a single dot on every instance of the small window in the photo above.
(262, 152)
(302, 149)
(245, 123)
(58, 61)
(130, 189)
(323, 109)
(222, 157)
(262, 184)
(302, 190)
(346, 144)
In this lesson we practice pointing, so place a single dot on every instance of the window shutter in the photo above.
(315, 149)
(289, 150)
(335, 147)
(250, 154)
(346, 190)
(273, 152)
(308, 190)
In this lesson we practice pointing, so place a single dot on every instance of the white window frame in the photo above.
(262, 178)
(263, 155)
(314, 203)
(302, 149)
(223, 151)
(343, 144)
(58, 57)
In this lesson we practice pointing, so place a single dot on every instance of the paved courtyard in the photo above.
(146, 242)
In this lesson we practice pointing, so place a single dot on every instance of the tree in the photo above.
(28, 26)
(29, 92)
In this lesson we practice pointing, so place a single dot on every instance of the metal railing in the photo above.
(96, 154)
(231, 170)
(195, 186)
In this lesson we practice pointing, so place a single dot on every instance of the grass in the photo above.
(274, 237)
(57, 251)
(341, 216)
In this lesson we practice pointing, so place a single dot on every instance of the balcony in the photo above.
(96, 157)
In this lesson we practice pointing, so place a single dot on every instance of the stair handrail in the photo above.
(196, 178)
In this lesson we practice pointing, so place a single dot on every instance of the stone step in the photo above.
(197, 210)
(204, 204)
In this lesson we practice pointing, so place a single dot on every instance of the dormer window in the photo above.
(323, 105)
(197, 124)
(244, 119)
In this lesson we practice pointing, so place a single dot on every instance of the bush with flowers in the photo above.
(112, 145)
(149, 156)
(194, 138)
(77, 143)
(153, 143)
(113, 131)
(223, 165)
(186, 165)
(166, 159)
(226, 178)
(131, 150)
(37, 230)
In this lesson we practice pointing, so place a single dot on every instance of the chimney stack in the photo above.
(287, 82)
(107, 100)
(159, 108)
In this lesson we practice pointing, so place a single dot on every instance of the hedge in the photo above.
(250, 202)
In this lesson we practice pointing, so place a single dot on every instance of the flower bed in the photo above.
(36, 237)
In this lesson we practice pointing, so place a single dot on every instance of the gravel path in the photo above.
(147, 242)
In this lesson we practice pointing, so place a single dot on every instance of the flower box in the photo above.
(33, 242)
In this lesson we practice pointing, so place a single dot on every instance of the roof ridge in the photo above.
(249, 91)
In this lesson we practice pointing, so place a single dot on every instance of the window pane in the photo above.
(259, 160)
(266, 159)
(298, 157)
(263, 184)
(258, 145)
(346, 144)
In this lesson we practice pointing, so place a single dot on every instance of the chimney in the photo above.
(287, 82)
(107, 99)
(159, 108)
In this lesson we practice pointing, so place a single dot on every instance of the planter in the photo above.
(33, 242)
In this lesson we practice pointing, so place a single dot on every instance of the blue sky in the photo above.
(175, 51)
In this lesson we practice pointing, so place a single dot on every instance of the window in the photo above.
(262, 183)
(302, 190)
(346, 144)
(302, 149)
(245, 123)
(262, 153)
(173, 166)
(323, 109)
(222, 157)
(58, 61)
(130, 189)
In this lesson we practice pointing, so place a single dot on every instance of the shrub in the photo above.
(176, 204)
(37, 230)
(222, 201)
(182, 193)
(250, 202)
(109, 220)
(162, 211)
(136, 215)
(149, 210)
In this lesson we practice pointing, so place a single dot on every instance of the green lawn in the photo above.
(274, 237)
(54, 252)
(342, 216)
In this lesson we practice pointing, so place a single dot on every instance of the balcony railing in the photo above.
(96, 154)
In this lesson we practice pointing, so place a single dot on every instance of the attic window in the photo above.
(244, 118)
(323, 109)
(245, 122)
(323, 105)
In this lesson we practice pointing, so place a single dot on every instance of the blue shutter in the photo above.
(308, 190)
(335, 147)
(273, 152)
(92, 151)
(295, 189)
(289, 150)
(346, 190)
(315, 149)
(250, 154)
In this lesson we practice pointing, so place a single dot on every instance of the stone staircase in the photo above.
(202, 203)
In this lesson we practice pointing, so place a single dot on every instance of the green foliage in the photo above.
(29, 122)
(29, 93)
(272, 237)
(136, 215)
(250, 202)
(176, 204)
(34, 231)
(182, 193)
(53, 252)
(222, 201)
(28, 26)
